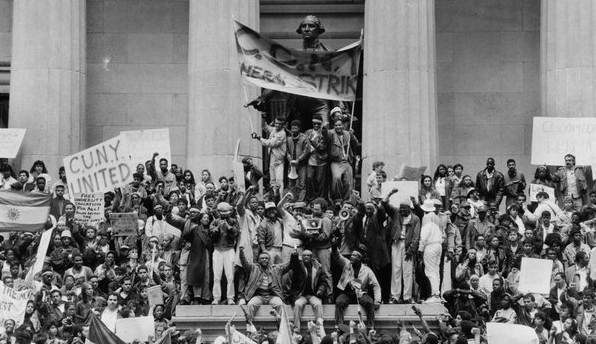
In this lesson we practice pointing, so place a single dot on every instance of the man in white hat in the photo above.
(224, 233)
(430, 248)
(270, 233)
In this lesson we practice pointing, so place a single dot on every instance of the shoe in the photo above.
(433, 299)
(393, 301)
(408, 301)
(231, 302)
(215, 302)
(241, 302)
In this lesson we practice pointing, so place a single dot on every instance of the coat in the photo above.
(198, 261)
(412, 232)
(298, 278)
(366, 276)
(255, 271)
(498, 188)
(373, 237)
(581, 183)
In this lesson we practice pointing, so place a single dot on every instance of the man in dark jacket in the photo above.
(490, 183)
(308, 287)
(297, 155)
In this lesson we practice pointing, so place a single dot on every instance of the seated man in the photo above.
(354, 285)
(264, 286)
(308, 287)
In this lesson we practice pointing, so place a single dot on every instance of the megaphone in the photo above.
(293, 174)
(344, 214)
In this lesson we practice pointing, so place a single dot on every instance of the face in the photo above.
(9, 325)
(521, 200)
(450, 171)
(427, 182)
(140, 169)
(23, 177)
(559, 281)
(404, 211)
(511, 165)
(295, 130)
(59, 191)
(355, 258)
(569, 161)
(41, 184)
(467, 180)
(309, 29)
(109, 258)
(127, 285)
(69, 210)
(307, 256)
(167, 270)
(442, 170)
(317, 209)
(316, 125)
(480, 242)
(338, 126)
(490, 164)
(163, 165)
(475, 282)
(264, 260)
(513, 212)
(78, 261)
(496, 284)
(112, 302)
(223, 184)
(278, 124)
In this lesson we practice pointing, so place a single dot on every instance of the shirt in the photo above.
(571, 183)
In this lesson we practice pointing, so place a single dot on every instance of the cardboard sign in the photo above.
(554, 137)
(100, 168)
(410, 173)
(124, 224)
(500, 333)
(90, 208)
(10, 142)
(535, 275)
(169, 229)
(406, 189)
(141, 145)
(131, 329)
(536, 188)
(155, 296)
(13, 304)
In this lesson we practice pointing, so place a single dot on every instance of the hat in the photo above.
(336, 109)
(404, 203)
(224, 207)
(124, 246)
(47, 272)
(428, 205)
(66, 234)
(269, 205)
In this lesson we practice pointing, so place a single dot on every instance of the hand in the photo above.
(414, 200)
(449, 255)
(293, 162)
(475, 330)
(255, 136)
(155, 155)
(417, 311)
(395, 190)
(408, 256)
(377, 306)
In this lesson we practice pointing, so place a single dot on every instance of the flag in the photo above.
(99, 333)
(26, 212)
(319, 74)
(285, 335)
(42, 250)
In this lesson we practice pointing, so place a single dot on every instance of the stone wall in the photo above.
(5, 30)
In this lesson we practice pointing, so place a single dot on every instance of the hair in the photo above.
(137, 176)
(296, 123)
(461, 183)
(436, 175)
(510, 160)
(423, 177)
(548, 176)
(25, 172)
(320, 201)
(163, 159)
(458, 165)
(579, 256)
(192, 176)
(377, 164)
(542, 194)
(222, 178)
(39, 163)
(569, 155)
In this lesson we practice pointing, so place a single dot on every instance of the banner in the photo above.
(42, 250)
(10, 142)
(534, 276)
(100, 168)
(501, 333)
(89, 208)
(318, 74)
(410, 173)
(406, 189)
(554, 137)
(141, 144)
(131, 329)
(536, 188)
(124, 224)
(13, 304)
(26, 212)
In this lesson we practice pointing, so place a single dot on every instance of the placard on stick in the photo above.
(535, 275)
(124, 224)
(406, 189)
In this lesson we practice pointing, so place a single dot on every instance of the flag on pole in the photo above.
(99, 333)
(285, 335)
(25, 212)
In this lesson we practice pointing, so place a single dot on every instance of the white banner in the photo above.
(100, 168)
(535, 275)
(141, 145)
(500, 333)
(89, 208)
(554, 137)
(131, 329)
(13, 304)
(10, 142)
(536, 188)
(406, 189)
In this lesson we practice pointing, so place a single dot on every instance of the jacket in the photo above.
(497, 189)
(366, 276)
(299, 275)
(337, 150)
(373, 236)
(581, 183)
(255, 273)
(276, 144)
(299, 147)
(412, 229)
(318, 144)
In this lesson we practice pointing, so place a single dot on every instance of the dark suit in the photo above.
(495, 193)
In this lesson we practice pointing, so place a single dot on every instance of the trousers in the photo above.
(401, 269)
(342, 180)
(223, 261)
(432, 262)
(315, 302)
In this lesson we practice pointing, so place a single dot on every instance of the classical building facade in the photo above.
(443, 80)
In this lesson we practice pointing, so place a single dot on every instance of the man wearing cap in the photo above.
(224, 232)
(277, 149)
(270, 233)
(405, 233)
(462, 223)
(317, 167)
(490, 183)
(297, 155)
(291, 226)
(58, 202)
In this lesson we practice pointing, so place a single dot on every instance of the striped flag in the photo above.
(23, 211)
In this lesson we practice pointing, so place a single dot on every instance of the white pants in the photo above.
(432, 260)
(276, 174)
(401, 268)
(223, 261)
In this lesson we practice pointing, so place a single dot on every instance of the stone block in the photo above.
(445, 47)
(149, 109)
(95, 16)
(478, 15)
(116, 16)
(150, 48)
(179, 113)
(531, 15)
(6, 44)
(107, 48)
(5, 15)
(106, 109)
(180, 16)
(512, 139)
(149, 16)
(178, 140)
(180, 48)
(94, 135)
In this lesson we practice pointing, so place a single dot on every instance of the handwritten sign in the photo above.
(155, 295)
(141, 144)
(10, 142)
(124, 224)
(534, 275)
(406, 189)
(99, 168)
(13, 303)
(536, 188)
(138, 328)
(554, 137)
(90, 208)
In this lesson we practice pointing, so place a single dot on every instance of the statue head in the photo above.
(310, 27)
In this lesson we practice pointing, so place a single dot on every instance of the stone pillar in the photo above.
(216, 116)
(48, 75)
(568, 58)
(399, 97)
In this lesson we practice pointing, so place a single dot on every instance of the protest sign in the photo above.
(406, 189)
(169, 229)
(141, 144)
(410, 173)
(99, 168)
(130, 329)
(124, 224)
(89, 208)
(40, 256)
(502, 333)
(239, 176)
(318, 74)
(13, 304)
(155, 295)
(10, 142)
(535, 275)
(536, 188)
(554, 137)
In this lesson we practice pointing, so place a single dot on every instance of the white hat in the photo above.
(428, 205)
(269, 205)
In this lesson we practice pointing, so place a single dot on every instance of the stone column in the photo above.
(48, 75)
(568, 58)
(216, 116)
(399, 97)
